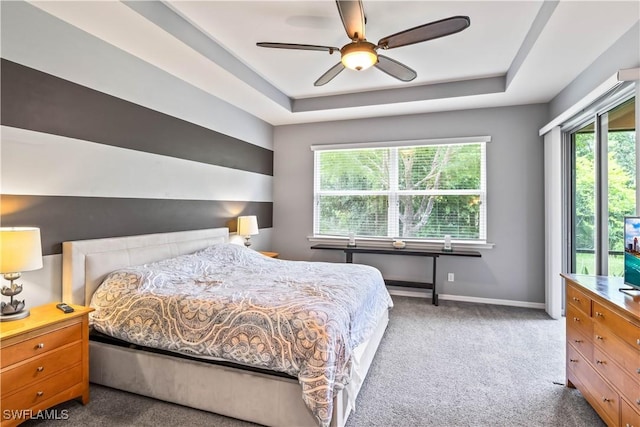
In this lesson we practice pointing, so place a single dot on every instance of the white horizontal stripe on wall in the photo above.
(34, 163)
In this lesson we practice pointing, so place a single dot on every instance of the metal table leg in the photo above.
(434, 295)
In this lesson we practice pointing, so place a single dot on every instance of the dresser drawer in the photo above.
(626, 356)
(629, 332)
(626, 385)
(629, 417)
(601, 393)
(577, 363)
(579, 341)
(40, 391)
(39, 345)
(579, 321)
(579, 300)
(39, 368)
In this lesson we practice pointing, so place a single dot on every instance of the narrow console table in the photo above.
(430, 253)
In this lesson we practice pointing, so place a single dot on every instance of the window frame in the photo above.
(393, 192)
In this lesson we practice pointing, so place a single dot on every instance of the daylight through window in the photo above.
(421, 191)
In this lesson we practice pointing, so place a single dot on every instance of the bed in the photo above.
(235, 390)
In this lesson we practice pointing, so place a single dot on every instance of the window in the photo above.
(420, 191)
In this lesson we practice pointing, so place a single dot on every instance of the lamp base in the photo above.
(14, 309)
(14, 316)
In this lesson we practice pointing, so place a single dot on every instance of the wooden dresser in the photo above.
(44, 361)
(603, 346)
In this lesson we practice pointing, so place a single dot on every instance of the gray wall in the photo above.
(97, 143)
(512, 270)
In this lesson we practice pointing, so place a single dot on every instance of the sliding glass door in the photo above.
(621, 179)
(603, 188)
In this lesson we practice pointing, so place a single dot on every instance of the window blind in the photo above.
(422, 191)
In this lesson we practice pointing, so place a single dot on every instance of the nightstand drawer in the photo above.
(41, 344)
(40, 368)
(40, 391)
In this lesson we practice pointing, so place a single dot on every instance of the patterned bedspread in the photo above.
(232, 303)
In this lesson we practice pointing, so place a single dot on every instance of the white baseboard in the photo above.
(427, 294)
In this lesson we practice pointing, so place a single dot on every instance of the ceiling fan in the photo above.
(361, 54)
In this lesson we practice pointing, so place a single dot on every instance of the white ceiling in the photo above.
(514, 52)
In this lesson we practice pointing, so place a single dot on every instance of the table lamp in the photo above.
(247, 227)
(20, 250)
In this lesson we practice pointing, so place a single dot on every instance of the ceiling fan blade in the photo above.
(329, 75)
(395, 69)
(352, 15)
(329, 49)
(422, 33)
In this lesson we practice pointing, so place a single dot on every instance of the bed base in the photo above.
(234, 392)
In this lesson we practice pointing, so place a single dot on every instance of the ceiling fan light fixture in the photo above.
(359, 55)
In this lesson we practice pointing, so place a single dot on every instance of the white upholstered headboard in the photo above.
(85, 263)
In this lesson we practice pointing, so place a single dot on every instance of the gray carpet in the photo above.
(459, 364)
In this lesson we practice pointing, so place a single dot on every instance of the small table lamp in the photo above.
(20, 250)
(247, 227)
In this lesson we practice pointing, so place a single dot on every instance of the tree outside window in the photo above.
(421, 192)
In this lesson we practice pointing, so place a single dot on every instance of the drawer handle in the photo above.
(599, 337)
(578, 341)
(576, 299)
(39, 393)
(40, 368)
(40, 345)
(600, 362)
(577, 319)
(638, 401)
(598, 314)
(573, 360)
(638, 341)
(604, 399)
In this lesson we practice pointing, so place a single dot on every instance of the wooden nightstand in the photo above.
(44, 361)
(270, 254)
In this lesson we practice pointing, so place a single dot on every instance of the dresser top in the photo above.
(608, 288)
(40, 316)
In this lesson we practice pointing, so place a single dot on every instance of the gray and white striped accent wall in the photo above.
(100, 166)
(95, 142)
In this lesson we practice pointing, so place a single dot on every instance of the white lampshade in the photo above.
(247, 225)
(20, 249)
